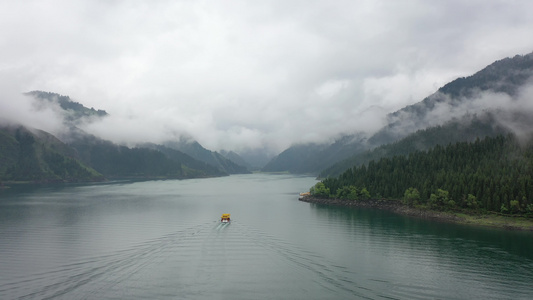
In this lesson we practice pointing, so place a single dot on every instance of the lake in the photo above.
(164, 240)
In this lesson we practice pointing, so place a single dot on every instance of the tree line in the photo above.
(493, 174)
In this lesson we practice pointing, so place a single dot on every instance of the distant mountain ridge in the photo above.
(466, 129)
(37, 156)
(255, 158)
(73, 110)
(504, 77)
(294, 159)
(237, 159)
(458, 111)
(311, 158)
(197, 151)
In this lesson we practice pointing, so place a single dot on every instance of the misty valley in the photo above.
(493, 103)
(83, 216)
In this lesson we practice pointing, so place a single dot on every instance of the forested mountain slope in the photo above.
(37, 156)
(467, 129)
(494, 89)
(487, 89)
(74, 113)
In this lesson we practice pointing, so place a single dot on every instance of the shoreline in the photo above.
(9, 183)
(395, 206)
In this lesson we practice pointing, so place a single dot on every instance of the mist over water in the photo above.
(164, 240)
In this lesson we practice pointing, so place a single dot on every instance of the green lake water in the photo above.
(163, 240)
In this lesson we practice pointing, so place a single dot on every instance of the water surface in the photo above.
(163, 240)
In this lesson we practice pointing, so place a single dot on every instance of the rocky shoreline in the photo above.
(398, 207)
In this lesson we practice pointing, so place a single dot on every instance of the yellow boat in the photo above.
(225, 218)
(303, 195)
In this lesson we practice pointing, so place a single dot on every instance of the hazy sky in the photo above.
(236, 74)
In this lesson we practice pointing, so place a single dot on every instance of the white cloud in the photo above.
(241, 74)
(17, 109)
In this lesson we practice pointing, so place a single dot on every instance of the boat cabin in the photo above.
(225, 218)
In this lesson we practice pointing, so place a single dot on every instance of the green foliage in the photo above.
(440, 199)
(485, 174)
(529, 209)
(348, 192)
(411, 196)
(514, 206)
(471, 202)
(451, 204)
(504, 209)
(320, 190)
(364, 194)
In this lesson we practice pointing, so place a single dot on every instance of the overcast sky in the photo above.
(237, 74)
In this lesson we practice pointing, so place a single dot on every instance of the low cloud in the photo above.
(17, 109)
(516, 114)
(511, 112)
(245, 74)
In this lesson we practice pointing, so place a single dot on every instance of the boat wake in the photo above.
(221, 226)
(99, 274)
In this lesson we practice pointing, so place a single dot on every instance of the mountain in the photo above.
(311, 158)
(463, 95)
(236, 158)
(295, 158)
(37, 156)
(144, 161)
(466, 129)
(491, 174)
(463, 98)
(496, 96)
(72, 111)
(256, 159)
(189, 163)
(115, 161)
(197, 151)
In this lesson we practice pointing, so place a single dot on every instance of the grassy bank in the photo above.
(511, 222)
(500, 221)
